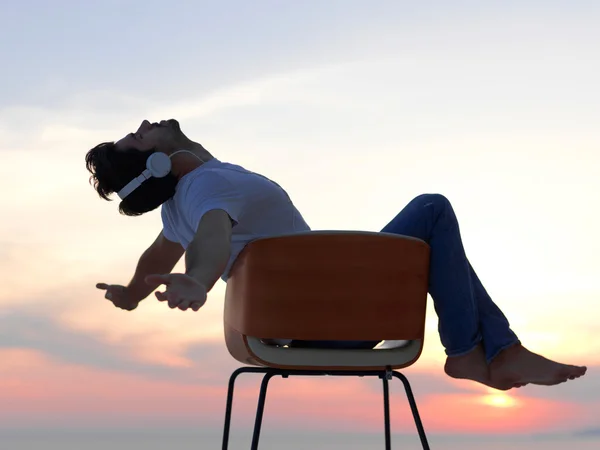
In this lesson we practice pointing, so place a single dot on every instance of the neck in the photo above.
(183, 163)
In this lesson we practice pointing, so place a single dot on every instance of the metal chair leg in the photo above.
(229, 406)
(413, 408)
(260, 408)
(386, 412)
(270, 373)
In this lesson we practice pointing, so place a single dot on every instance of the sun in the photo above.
(499, 400)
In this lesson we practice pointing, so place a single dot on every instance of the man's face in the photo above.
(161, 136)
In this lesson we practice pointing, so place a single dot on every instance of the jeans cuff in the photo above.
(465, 350)
(500, 349)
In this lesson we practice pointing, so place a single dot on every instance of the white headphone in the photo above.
(158, 165)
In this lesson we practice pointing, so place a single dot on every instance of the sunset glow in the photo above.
(500, 400)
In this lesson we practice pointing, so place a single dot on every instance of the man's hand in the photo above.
(118, 295)
(182, 291)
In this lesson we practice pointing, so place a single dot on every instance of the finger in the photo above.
(174, 300)
(184, 305)
(157, 279)
(102, 286)
(161, 296)
(108, 295)
(195, 306)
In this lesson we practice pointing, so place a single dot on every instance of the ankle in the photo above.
(506, 354)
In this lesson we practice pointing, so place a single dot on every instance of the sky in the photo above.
(355, 108)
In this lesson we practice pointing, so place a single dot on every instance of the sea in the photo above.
(190, 439)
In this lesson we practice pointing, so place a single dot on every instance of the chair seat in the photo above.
(389, 353)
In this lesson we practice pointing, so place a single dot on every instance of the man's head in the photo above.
(114, 164)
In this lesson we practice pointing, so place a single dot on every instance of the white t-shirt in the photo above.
(258, 206)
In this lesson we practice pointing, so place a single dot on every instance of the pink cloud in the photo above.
(44, 391)
(40, 391)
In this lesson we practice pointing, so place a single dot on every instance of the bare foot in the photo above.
(517, 365)
(473, 366)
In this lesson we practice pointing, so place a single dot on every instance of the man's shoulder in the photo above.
(203, 186)
(222, 179)
(213, 178)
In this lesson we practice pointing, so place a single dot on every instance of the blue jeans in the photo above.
(467, 315)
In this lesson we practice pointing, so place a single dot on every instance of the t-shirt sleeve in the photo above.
(167, 230)
(212, 191)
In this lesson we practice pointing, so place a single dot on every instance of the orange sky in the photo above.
(42, 391)
(70, 359)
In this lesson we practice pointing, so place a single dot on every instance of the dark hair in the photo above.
(112, 169)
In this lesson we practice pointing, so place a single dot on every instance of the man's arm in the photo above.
(160, 257)
(207, 255)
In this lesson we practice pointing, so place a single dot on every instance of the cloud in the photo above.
(591, 433)
(583, 390)
(42, 334)
(94, 114)
(152, 333)
(83, 396)
(44, 359)
(44, 391)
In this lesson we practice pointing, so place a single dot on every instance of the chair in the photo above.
(327, 286)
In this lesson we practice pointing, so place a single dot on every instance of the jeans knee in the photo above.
(436, 200)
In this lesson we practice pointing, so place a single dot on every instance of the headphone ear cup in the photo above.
(159, 165)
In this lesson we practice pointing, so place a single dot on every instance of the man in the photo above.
(210, 210)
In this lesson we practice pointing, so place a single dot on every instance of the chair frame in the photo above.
(269, 372)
